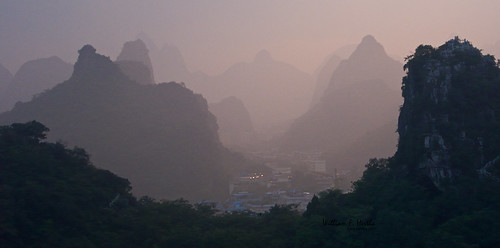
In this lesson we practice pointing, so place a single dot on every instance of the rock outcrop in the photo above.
(449, 122)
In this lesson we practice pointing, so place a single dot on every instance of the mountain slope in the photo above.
(273, 92)
(235, 125)
(134, 52)
(136, 71)
(323, 76)
(325, 71)
(362, 96)
(33, 78)
(5, 78)
(168, 61)
(161, 137)
(368, 62)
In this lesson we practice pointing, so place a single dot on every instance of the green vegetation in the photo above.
(53, 197)
(408, 213)
(50, 195)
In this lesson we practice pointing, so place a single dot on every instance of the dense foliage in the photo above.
(52, 196)
(406, 213)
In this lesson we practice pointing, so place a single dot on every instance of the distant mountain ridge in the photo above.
(372, 62)
(161, 137)
(362, 96)
(323, 76)
(32, 78)
(274, 92)
(168, 61)
(136, 52)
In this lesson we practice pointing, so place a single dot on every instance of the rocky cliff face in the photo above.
(449, 122)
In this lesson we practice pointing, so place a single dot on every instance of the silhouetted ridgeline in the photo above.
(161, 137)
(168, 61)
(135, 62)
(323, 76)
(362, 96)
(32, 78)
(274, 92)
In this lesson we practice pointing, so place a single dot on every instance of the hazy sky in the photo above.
(214, 34)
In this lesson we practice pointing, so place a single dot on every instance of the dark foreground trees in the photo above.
(52, 196)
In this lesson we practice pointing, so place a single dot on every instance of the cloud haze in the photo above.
(212, 35)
